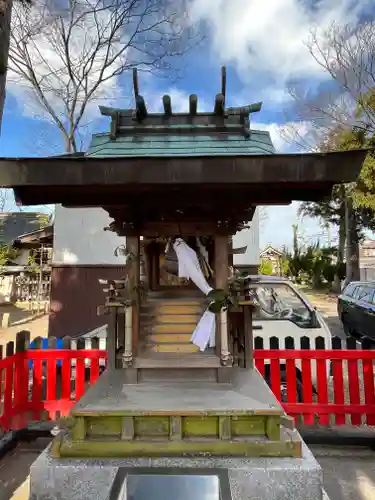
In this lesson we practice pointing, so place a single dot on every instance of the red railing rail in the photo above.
(338, 391)
(325, 386)
(44, 384)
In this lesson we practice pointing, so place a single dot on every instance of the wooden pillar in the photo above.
(157, 266)
(133, 247)
(248, 331)
(230, 256)
(153, 256)
(221, 281)
(112, 338)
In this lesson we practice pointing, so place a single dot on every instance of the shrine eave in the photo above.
(82, 181)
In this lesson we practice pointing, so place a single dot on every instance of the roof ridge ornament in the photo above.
(220, 117)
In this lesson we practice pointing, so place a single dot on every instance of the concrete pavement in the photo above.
(349, 473)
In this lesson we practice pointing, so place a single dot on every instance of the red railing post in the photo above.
(8, 389)
(307, 385)
(321, 376)
(51, 393)
(368, 382)
(353, 379)
(338, 381)
(291, 373)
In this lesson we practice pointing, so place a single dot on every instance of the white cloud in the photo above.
(302, 129)
(268, 36)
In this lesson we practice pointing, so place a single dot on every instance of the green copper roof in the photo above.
(181, 143)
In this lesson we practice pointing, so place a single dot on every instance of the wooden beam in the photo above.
(224, 81)
(193, 104)
(141, 108)
(114, 126)
(167, 104)
(219, 105)
(135, 82)
(256, 107)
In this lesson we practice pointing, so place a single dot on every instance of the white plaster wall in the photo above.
(249, 237)
(79, 238)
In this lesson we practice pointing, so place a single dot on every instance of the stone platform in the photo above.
(248, 478)
(240, 418)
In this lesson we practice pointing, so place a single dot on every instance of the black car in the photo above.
(356, 308)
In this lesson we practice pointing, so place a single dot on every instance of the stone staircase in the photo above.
(168, 319)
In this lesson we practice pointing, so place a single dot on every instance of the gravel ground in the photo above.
(349, 474)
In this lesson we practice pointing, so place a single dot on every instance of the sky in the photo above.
(263, 45)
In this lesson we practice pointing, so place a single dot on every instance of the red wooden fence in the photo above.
(333, 386)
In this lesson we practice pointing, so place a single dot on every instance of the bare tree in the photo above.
(5, 20)
(347, 55)
(5, 16)
(67, 55)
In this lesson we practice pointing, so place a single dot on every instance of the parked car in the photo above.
(356, 308)
(286, 312)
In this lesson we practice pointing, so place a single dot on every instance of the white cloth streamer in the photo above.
(204, 333)
(188, 265)
(189, 268)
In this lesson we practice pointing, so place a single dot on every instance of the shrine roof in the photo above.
(189, 162)
(180, 141)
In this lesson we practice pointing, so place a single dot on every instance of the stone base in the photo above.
(249, 478)
(177, 418)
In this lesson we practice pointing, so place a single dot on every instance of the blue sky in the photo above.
(263, 46)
